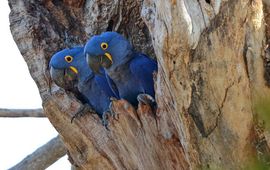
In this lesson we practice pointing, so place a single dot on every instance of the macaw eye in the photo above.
(68, 58)
(104, 45)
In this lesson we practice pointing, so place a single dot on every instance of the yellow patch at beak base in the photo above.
(74, 69)
(108, 56)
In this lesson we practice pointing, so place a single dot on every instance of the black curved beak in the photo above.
(57, 76)
(95, 62)
(64, 78)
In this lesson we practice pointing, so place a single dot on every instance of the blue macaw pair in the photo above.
(107, 67)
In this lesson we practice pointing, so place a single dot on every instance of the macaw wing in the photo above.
(79, 95)
(143, 67)
(113, 87)
(105, 83)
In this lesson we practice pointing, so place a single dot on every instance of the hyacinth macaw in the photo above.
(68, 80)
(132, 72)
(69, 66)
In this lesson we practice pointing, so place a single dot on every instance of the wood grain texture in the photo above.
(210, 72)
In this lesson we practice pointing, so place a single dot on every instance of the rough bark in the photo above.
(267, 47)
(210, 56)
(213, 66)
(21, 113)
(44, 156)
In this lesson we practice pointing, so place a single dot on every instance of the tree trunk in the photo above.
(211, 71)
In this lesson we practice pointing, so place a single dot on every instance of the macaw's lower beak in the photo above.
(96, 62)
(106, 60)
(57, 76)
(63, 77)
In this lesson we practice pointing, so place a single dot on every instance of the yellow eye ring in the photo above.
(104, 46)
(68, 58)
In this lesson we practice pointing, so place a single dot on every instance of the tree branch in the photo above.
(44, 156)
(21, 113)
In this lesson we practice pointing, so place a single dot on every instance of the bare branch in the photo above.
(44, 156)
(21, 113)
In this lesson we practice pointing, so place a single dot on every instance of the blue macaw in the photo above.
(68, 80)
(69, 65)
(132, 72)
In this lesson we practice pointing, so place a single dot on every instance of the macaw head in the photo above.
(107, 50)
(68, 65)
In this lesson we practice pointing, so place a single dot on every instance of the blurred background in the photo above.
(19, 136)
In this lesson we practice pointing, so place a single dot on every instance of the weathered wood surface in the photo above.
(210, 72)
(210, 57)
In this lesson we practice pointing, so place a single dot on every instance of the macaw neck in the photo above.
(84, 73)
(119, 73)
(120, 61)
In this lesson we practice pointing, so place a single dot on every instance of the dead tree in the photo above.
(211, 58)
(21, 113)
(44, 156)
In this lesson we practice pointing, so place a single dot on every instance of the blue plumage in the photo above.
(131, 72)
(94, 88)
(142, 67)
(107, 84)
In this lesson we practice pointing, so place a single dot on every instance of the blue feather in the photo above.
(143, 67)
